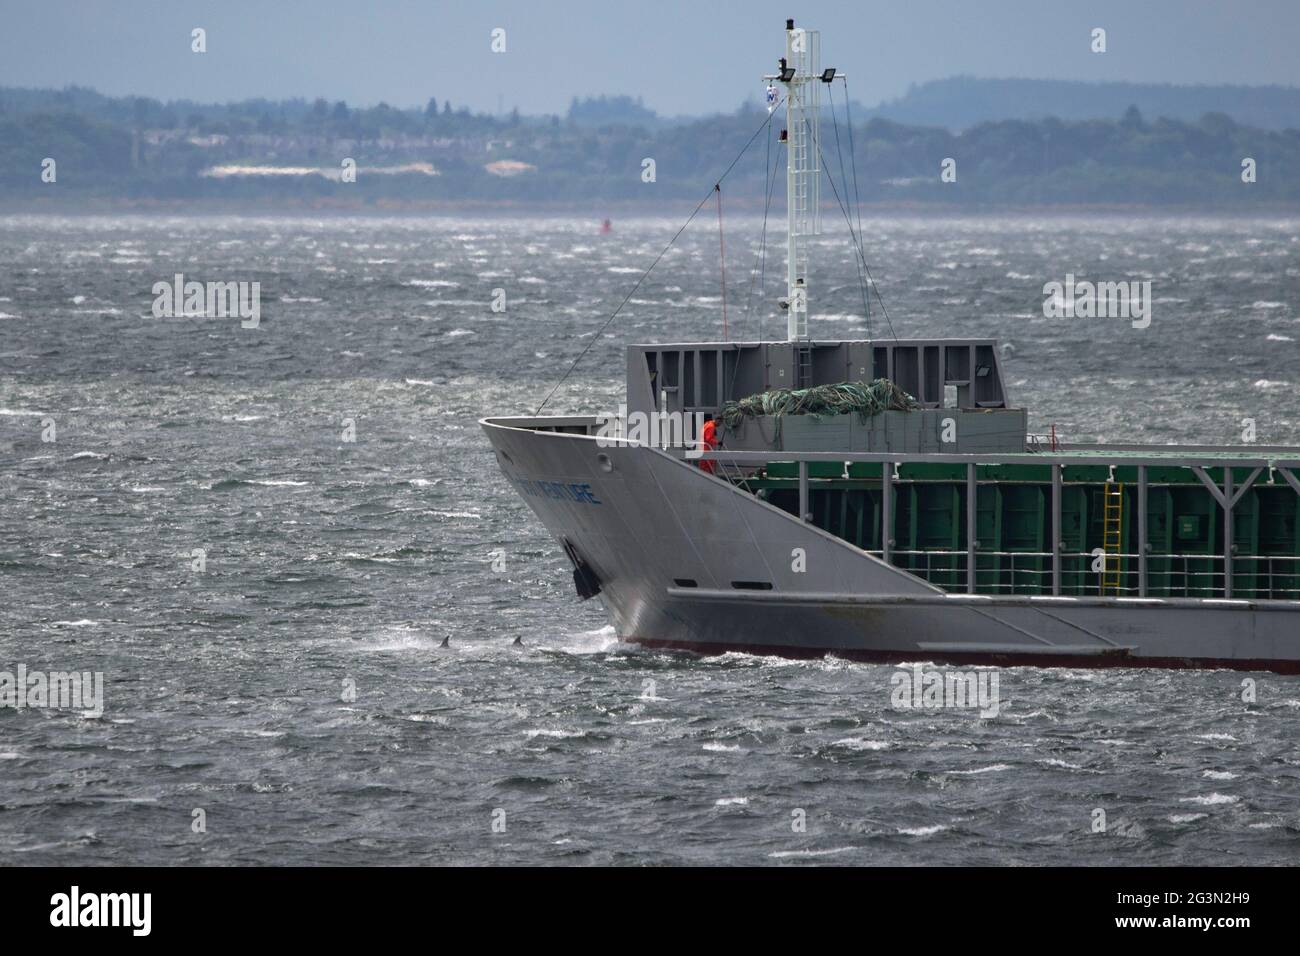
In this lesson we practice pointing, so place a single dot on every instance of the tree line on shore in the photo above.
(613, 149)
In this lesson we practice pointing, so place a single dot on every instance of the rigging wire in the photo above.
(664, 252)
(759, 268)
(762, 250)
(857, 201)
(760, 259)
(853, 156)
(857, 262)
(722, 262)
(857, 244)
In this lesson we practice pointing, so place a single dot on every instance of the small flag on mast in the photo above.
(771, 97)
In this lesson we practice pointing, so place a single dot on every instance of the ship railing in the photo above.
(1214, 575)
(1266, 576)
(1119, 455)
(563, 424)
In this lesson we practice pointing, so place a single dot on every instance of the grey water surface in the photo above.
(266, 599)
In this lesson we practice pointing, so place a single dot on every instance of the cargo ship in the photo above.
(932, 527)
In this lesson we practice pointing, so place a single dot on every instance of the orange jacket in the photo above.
(709, 441)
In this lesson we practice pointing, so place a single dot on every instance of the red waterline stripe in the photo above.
(1277, 666)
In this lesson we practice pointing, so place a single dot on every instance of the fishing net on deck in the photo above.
(864, 398)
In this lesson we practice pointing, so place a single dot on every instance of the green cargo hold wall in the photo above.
(1014, 530)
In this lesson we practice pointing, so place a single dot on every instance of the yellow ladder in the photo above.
(1112, 536)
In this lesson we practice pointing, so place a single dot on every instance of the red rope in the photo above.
(722, 258)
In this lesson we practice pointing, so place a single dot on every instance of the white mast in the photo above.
(800, 73)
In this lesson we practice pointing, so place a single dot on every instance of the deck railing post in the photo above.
(804, 514)
(886, 507)
(1142, 530)
(1227, 530)
(971, 496)
(1056, 529)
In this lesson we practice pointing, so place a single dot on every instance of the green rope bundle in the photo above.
(867, 399)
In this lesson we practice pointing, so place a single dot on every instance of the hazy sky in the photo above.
(682, 56)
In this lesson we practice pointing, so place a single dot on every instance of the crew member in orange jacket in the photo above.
(709, 442)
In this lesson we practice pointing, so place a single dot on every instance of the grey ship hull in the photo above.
(686, 560)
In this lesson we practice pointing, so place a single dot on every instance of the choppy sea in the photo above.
(261, 536)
